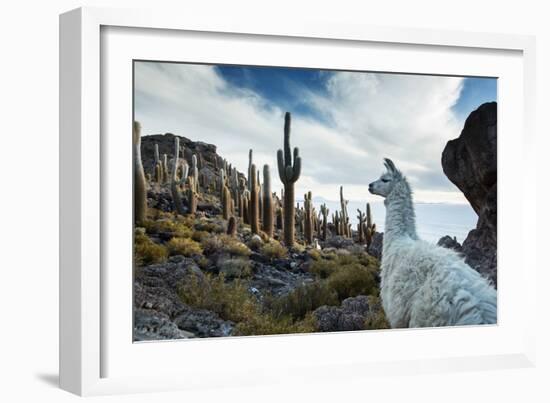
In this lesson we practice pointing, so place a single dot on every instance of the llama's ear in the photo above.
(390, 166)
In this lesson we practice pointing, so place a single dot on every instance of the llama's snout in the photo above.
(371, 186)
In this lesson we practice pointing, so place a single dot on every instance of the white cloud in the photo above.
(366, 117)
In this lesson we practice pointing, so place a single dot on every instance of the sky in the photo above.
(344, 123)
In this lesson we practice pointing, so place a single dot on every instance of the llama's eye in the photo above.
(385, 180)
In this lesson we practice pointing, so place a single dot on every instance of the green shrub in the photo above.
(352, 280)
(304, 299)
(183, 246)
(235, 267)
(233, 302)
(376, 319)
(273, 250)
(229, 300)
(199, 236)
(172, 227)
(146, 251)
(224, 244)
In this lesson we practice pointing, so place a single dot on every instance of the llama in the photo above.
(424, 285)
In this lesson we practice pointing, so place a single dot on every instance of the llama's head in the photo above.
(384, 185)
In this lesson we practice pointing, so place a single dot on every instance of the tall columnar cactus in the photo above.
(176, 196)
(165, 175)
(254, 202)
(249, 169)
(360, 224)
(140, 190)
(222, 183)
(267, 201)
(289, 172)
(370, 227)
(337, 226)
(324, 212)
(226, 202)
(156, 163)
(195, 173)
(191, 195)
(344, 218)
(308, 218)
(232, 226)
(184, 173)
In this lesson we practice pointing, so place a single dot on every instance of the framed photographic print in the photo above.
(236, 200)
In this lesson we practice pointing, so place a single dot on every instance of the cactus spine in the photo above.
(176, 197)
(140, 192)
(308, 218)
(267, 200)
(289, 172)
(254, 202)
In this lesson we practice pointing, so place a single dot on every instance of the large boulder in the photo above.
(351, 315)
(470, 162)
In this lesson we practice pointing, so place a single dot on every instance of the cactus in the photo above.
(324, 212)
(254, 202)
(267, 201)
(226, 202)
(246, 206)
(165, 176)
(195, 173)
(140, 192)
(222, 183)
(308, 218)
(250, 170)
(344, 218)
(157, 172)
(360, 225)
(191, 195)
(369, 228)
(176, 196)
(289, 172)
(184, 173)
(232, 226)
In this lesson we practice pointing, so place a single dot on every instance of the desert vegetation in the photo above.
(218, 253)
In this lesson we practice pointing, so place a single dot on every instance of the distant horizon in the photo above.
(343, 122)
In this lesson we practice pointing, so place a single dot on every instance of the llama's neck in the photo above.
(400, 218)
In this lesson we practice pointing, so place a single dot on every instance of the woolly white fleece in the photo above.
(424, 285)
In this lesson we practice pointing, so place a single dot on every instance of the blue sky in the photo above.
(278, 84)
(344, 123)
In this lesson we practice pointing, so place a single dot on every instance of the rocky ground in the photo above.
(191, 279)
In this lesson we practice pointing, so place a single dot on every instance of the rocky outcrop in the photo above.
(450, 243)
(159, 313)
(470, 162)
(351, 315)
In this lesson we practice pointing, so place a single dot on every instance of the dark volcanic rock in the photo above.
(351, 315)
(450, 243)
(375, 248)
(470, 162)
(159, 313)
(152, 325)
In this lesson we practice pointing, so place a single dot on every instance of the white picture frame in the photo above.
(98, 358)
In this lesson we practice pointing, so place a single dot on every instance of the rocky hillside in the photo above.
(206, 272)
(470, 162)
